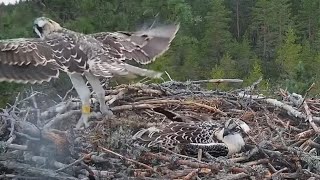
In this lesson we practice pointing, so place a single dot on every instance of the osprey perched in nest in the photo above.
(35, 60)
(216, 139)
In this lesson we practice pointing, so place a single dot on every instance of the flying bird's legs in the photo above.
(84, 94)
(98, 89)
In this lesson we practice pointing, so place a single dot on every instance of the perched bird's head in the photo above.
(43, 26)
(231, 134)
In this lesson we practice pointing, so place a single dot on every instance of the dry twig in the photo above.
(127, 159)
(310, 119)
(75, 162)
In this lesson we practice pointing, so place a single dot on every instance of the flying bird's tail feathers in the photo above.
(154, 42)
(142, 72)
(141, 46)
(146, 45)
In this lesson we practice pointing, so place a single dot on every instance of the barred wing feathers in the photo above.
(34, 60)
(142, 46)
(26, 60)
(27, 73)
(190, 136)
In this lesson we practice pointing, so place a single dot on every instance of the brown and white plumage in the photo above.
(151, 43)
(217, 139)
(35, 60)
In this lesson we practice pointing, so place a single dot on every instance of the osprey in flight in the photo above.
(216, 139)
(34, 60)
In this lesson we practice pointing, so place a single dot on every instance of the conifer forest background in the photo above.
(278, 40)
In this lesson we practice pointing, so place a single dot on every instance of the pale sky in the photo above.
(8, 1)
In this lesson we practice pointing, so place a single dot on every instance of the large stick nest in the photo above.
(40, 142)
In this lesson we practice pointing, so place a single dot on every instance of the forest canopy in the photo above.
(278, 40)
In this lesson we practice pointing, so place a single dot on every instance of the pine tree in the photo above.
(217, 36)
(308, 19)
(228, 66)
(243, 56)
(255, 74)
(241, 16)
(271, 19)
(226, 69)
(310, 65)
(288, 54)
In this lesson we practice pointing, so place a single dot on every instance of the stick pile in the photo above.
(38, 143)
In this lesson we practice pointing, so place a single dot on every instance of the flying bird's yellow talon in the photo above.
(86, 109)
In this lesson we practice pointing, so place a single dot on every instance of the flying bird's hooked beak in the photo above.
(37, 30)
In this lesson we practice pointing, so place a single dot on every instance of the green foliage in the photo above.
(299, 82)
(226, 69)
(7, 92)
(270, 20)
(82, 24)
(255, 74)
(307, 70)
(308, 25)
(288, 55)
(217, 38)
(243, 57)
(229, 66)
(299, 63)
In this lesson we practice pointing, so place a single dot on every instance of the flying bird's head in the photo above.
(231, 134)
(44, 26)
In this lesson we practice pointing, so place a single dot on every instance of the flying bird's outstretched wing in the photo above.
(26, 60)
(102, 54)
(35, 60)
(142, 46)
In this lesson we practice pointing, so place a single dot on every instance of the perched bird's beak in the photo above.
(226, 132)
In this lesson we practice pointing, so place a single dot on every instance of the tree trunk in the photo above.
(238, 25)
